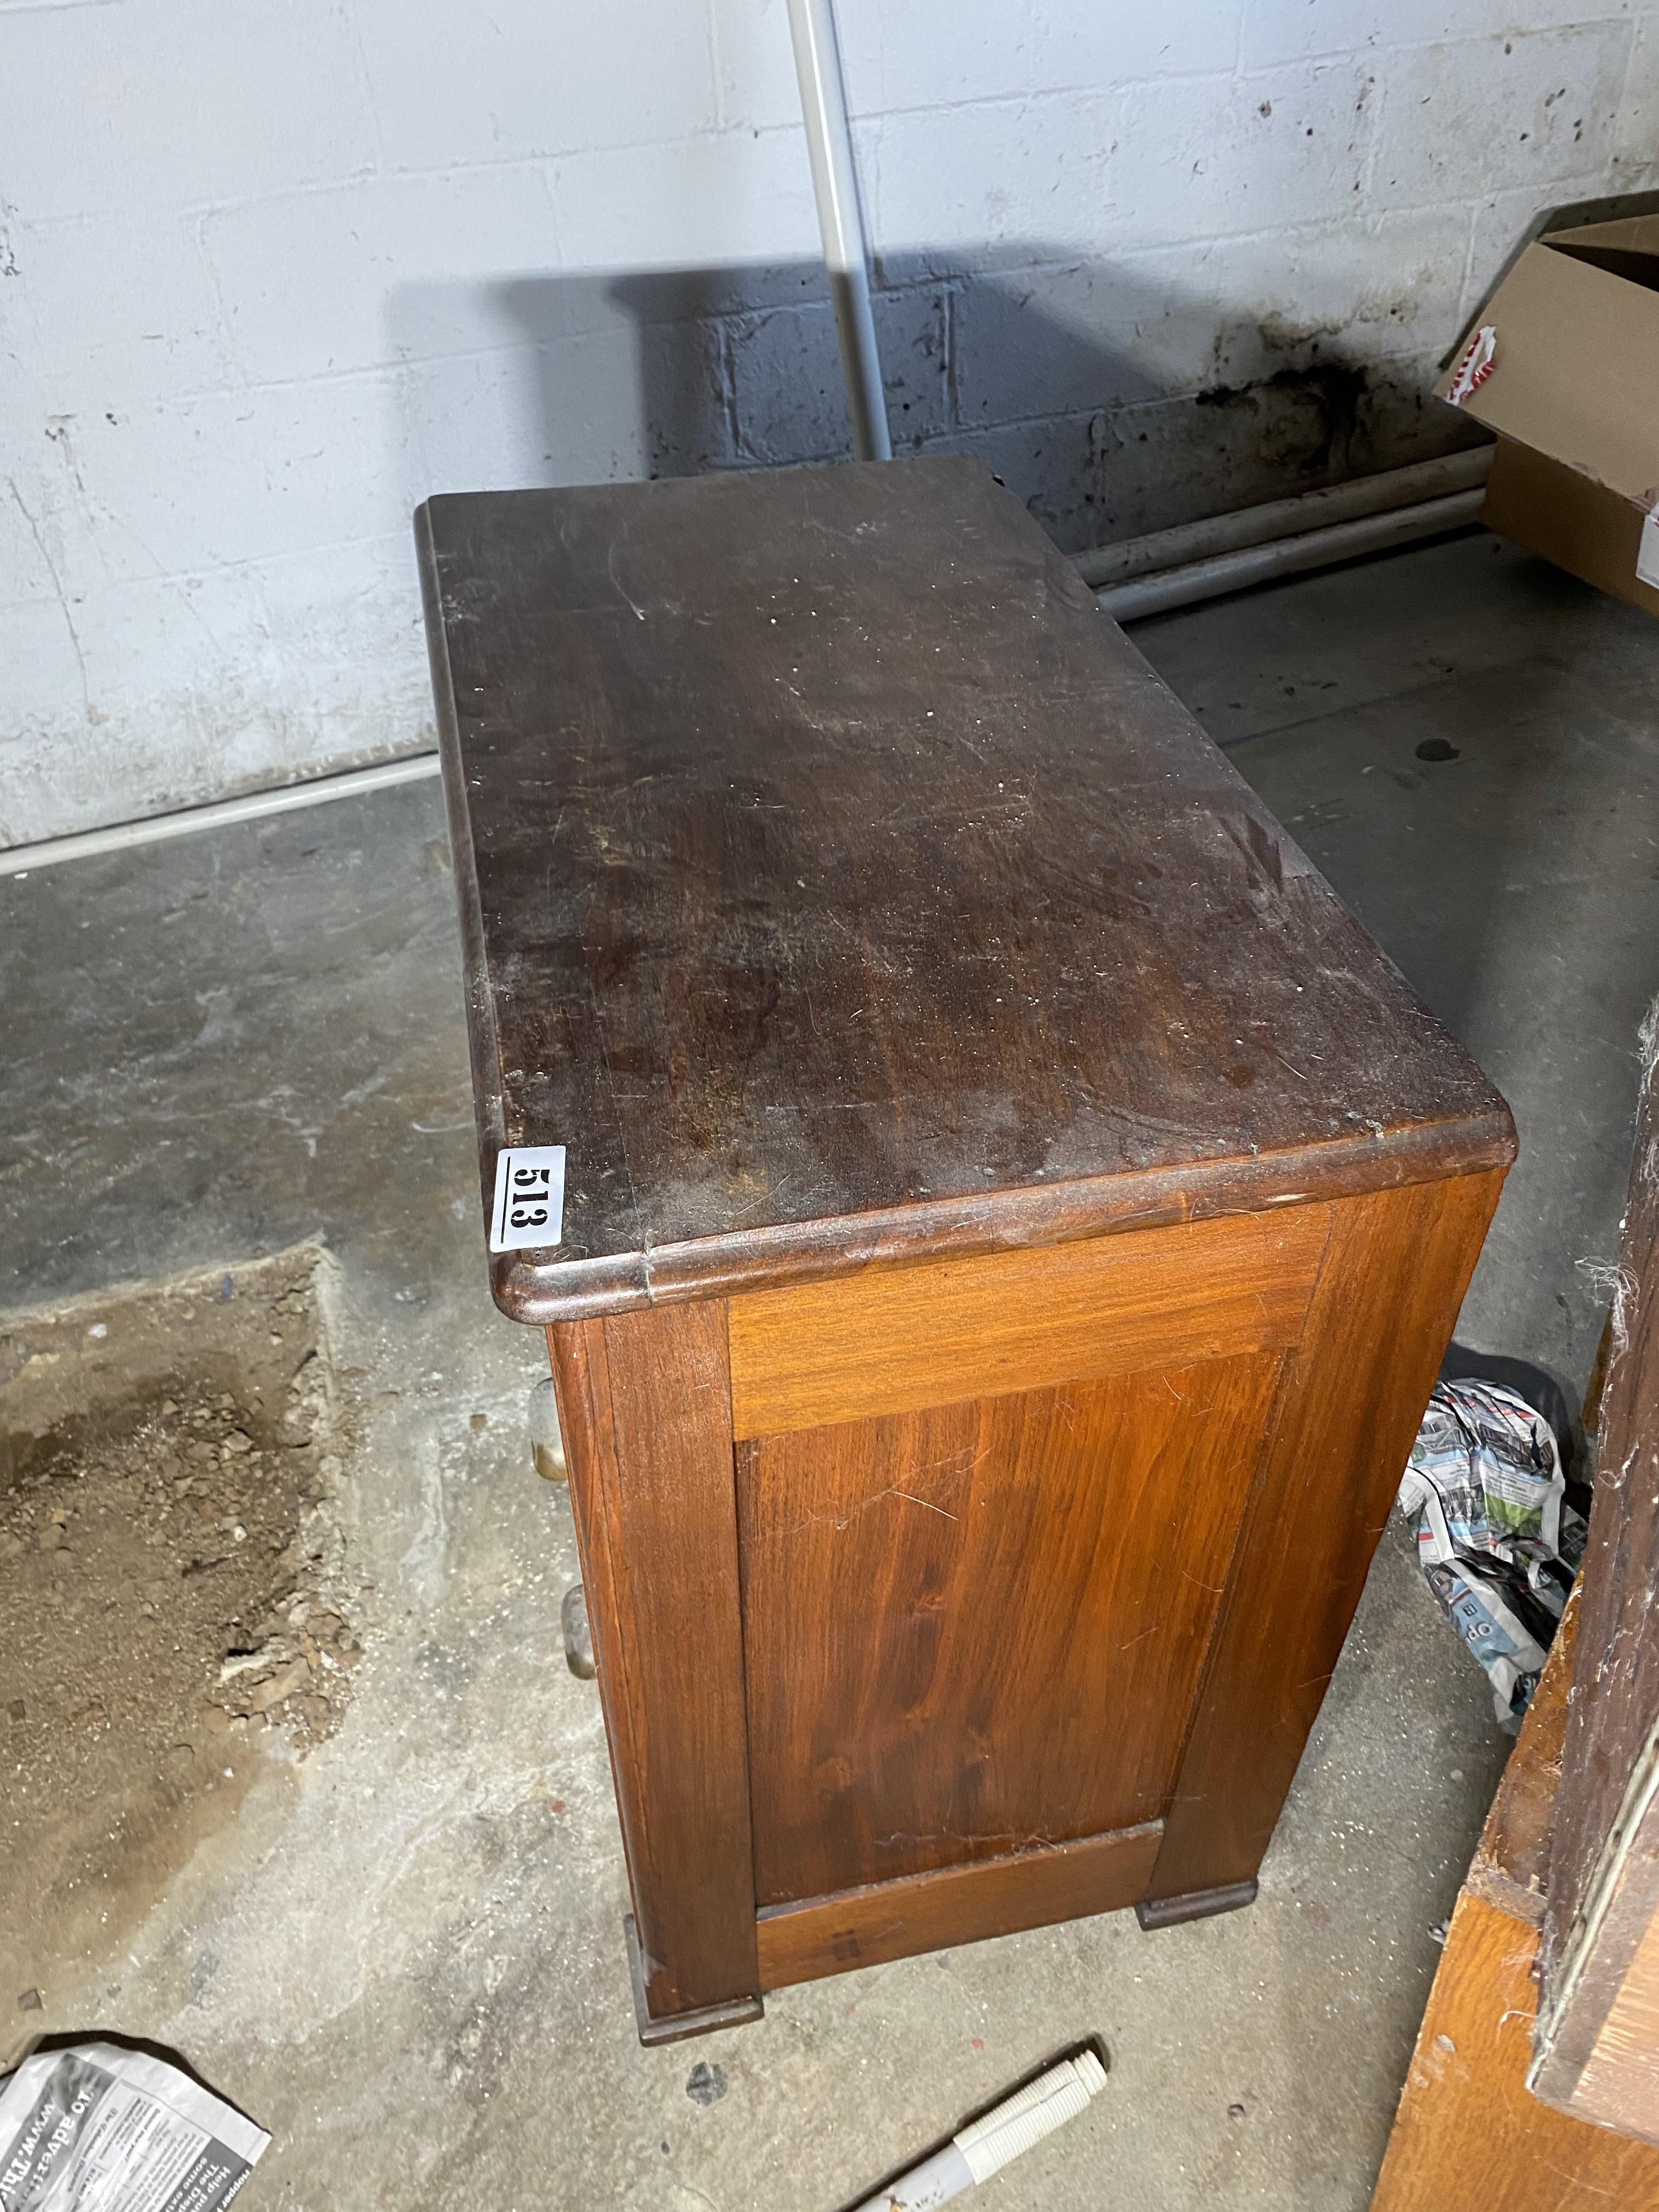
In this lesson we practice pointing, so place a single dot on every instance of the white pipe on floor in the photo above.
(835, 188)
(252, 806)
(985, 2146)
(1190, 542)
(1287, 557)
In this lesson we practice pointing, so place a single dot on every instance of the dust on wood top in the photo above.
(839, 883)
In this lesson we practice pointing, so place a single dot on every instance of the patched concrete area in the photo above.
(402, 1950)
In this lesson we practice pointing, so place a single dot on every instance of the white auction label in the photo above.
(528, 1213)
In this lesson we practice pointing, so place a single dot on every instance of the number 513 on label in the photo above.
(528, 1211)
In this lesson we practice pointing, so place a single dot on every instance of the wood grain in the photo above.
(1619, 2085)
(1468, 2137)
(953, 1905)
(837, 882)
(893, 1341)
(646, 1406)
(984, 1622)
(1599, 2031)
(1510, 1866)
(1393, 1274)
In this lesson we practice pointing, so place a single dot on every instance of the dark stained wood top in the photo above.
(839, 883)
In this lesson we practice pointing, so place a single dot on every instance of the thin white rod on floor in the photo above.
(252, 806)
(1189, 542)
(1287, 557)
(835, 188)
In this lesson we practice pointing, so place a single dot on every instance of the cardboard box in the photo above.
(1570, 392)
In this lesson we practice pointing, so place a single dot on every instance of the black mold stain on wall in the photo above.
(1311, 418)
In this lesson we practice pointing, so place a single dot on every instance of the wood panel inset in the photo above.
(985, 1621)
(643, 1399)
(893, 1340)
(954, 1905)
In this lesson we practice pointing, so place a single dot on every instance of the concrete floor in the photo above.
(403, 1955)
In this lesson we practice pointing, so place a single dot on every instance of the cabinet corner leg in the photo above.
(1194, 1904)
(674, 2027)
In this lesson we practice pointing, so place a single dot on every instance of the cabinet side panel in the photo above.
(651, 1481)
(1353, 1393)
(977, 1628)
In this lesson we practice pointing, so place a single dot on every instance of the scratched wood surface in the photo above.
(986, 1620)
(838, 883)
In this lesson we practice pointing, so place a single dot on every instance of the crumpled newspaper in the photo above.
(1498, 1543)
(98, 2127)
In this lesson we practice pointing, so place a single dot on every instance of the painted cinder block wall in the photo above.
(270, 270)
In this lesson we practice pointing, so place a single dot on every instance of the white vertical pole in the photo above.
(835, 187)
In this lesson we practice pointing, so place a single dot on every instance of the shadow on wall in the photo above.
(1109, 407)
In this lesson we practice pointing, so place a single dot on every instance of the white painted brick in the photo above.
(136, 631)
(1012, 173)
(1636, 134)
(1292, 30)
(897, 56)
(1113, 42)
(892, 57)
(344, 648)
(200, 686)
(575, 410)
(160, 105)
(685, 416)
(912, 332)
(522, 78)
(788, 386)
(1193, 157)
(1497, 227)
(43, 693)
(207, 482)
(786, 379)
(119, 310)
(114, 695)
(474, 422)
(1200, 157)
(1469, 120)
(696, 203)
(393, 269)
(26, 558)
(754, 63)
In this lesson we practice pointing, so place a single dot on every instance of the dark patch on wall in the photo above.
(1081, 404)
(1311, 417)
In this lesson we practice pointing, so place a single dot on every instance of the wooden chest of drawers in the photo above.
(1012, 1213)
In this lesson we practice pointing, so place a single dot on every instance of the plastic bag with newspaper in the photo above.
(94, 2127)
(1498, 1543)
